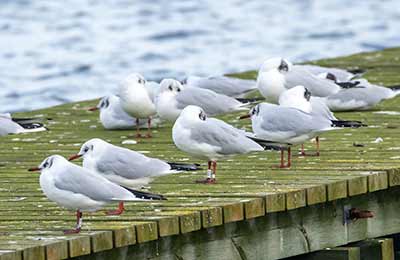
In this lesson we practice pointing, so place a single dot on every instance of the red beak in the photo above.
(93, 108)
(34, 169)
(73, 157)
(245, 116)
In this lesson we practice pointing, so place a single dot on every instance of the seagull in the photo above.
(209, 138)
(9, 125)
(113, 117)
(173, 97)
(74, 187)
(277, 75)
(124, 166)
(340, 74)
(137, 100)
(228, 86)
(362, 97)
(287, 125)
(300, 98)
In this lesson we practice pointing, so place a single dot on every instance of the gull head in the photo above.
(104, 103)
(49, 163)
(133, 81)
(89, 148)
(278, 64)
(252, 113)
(171, 86)
(296, 97)
(193, 114)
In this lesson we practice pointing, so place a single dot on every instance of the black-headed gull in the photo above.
(113, 117)
(9, 125)
(341, 75)
(362, 97)
(228, 86)
(137, 100)
(123, 166)
(74, 187)
(173, 98)
(277, 75)
(300, 98)
(287, 125)
(209, 138)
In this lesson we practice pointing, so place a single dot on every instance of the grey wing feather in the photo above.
(217, 133)
(130, 164)
(80, 180)
(317, 86)
(211, 102)
(340, 74)
(232, 87)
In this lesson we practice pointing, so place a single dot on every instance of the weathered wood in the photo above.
(337, 253)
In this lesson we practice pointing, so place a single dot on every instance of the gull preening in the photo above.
(137, 100)
(209, 138)
(9, 125)
(77, 188)
(173, 98)
(113, 117)
(125, 167)
(232, 87)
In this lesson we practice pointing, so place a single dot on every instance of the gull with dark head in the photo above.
(74, 187)
(277, 75)
(113, 117)
(173, 98)
(209, 138)
(300, 98)
(123, 166)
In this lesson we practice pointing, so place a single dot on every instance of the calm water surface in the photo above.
(53, 52)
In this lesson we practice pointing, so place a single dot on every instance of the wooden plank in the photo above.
(190, 222)
(275, 202)
(233, 212)
(79, 245)
(337, 253)
(316, 194)
(168, 226)
(124, 236)
(377, 182)
(387, 248)
(10, 255)
(146, 232)
(357, 186)
(394, 177)
(57, 250)
(211, 217)
(295, 199)
(254, 208)
(337, 190)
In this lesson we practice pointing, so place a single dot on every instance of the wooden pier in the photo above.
(253, 212)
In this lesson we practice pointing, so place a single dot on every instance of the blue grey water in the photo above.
(53, 52)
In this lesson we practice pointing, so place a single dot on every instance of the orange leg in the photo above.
(212, 167)
(118, 211)
(78, 224)
(138, 128)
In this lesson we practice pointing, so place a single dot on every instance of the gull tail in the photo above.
(344, 123)
(145, 195)
(348, 84)
(32, 127)
(184, 166)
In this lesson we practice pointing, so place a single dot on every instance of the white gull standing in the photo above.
(137, 100)
(74, 187)
(209, 138)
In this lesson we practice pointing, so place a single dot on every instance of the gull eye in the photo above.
(307, 94)
(170, 87)
(45, 164)
(141, 81)
(178, 89)
(86, 149)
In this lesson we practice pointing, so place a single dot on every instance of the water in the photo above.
(53, 52)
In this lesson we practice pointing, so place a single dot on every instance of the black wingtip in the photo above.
(146, 195)
(184, 166)
(350, 124)
(269, 145)
(249, 100)
(348, 84)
